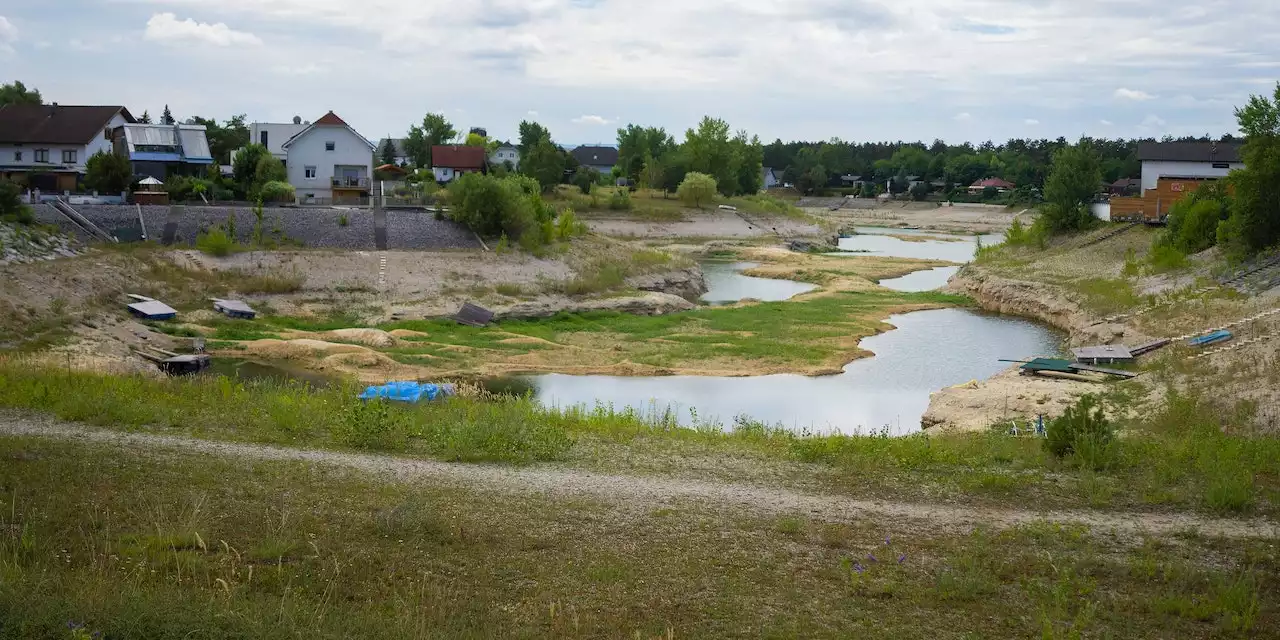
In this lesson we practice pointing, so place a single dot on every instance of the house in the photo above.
(912, 181)
(450, 161)
(506, 152)
(1170, 172)
(163, 150)
(397, 150)
(46, 146)
(1194, 160)
(850, 180)
(272, 135)
(329, 161)
(772, 179)
(1125, 187)
(601, 159)
(991, 183)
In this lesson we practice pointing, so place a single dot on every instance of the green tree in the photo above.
(245, 169)
(167, 116)
(224, 138)
(748, 163)
(636, 143)
(107, 172)
(146, 118)
(435, 130)
(387, 155)
(920, 191)
(1073, 181)
(12, 208)
(269, 169)
(674, 168)
(545, 163)
(1254, 223)
(18, 93)
(709, 151)
(1193, 221)
(697, 189)
(492, 206)
(532, 133)
(651, 174)
(585, 177)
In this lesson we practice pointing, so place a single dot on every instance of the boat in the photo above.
(1210, 338)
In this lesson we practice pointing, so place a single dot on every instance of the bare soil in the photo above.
(709, 224)
(957, 218)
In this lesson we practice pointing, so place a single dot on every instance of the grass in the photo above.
(651, 205)
(184, 546)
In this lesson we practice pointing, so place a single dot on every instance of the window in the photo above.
(330, 145)
(262, 137)
(311, 173)
(69, 156)
(42, 155)
(1221, 165)
(17, 156)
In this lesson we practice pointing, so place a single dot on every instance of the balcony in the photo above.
(349, 182)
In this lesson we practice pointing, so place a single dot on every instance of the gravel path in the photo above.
(632, 490)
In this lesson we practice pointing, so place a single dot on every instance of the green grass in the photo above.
(181, 546)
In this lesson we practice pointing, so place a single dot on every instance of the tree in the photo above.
(224, 138)
(388, 153)
(12, 208)
(920, 191)
(709, 151)
(1073, 180)
(586, 177)
(697, 189)
(167, 116)
(146, 118)
(245, 169)
(107, 172)
(269, 169)
(18, 93)
(748, 163)
(651, 173)
(545, 163)
(1254, 223)
(531, 133)
(636, 143)
(435, 130)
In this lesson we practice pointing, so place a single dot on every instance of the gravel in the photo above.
(310, 226)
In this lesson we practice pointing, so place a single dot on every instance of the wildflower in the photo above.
(902, 558)
(886, 541)
(857, 566)
(872, 558)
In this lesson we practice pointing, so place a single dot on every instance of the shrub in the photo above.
(568, 225)
(215, 242)
(276, 191)
(620, 201)
(342, 220)
(585, 178)
(12, 209)
(697, 189)
(1194, 220)
(1084, 432)
(372, 425)
(108, 173)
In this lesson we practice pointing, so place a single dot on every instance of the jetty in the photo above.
(176, 364)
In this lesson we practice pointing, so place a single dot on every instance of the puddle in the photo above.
(726, 284)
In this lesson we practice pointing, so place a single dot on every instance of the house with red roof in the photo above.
(991, 183)
(329, 162)
(449, 161)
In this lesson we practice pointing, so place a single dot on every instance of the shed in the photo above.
(473, 315)
(1104, 354)
(153, 310)
(234, 309)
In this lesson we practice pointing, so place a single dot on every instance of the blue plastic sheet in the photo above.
(410, 392)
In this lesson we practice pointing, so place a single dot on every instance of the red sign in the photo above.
(1177, 187)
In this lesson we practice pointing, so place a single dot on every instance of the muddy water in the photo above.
(726, 284)
(877, 242)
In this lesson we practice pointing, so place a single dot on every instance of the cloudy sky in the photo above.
(791, 69)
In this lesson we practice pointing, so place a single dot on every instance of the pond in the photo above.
(726, 284)
(878, 242)
(928, 351)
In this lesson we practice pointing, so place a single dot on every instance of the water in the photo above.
(926, 280)
(253, 371)
(875, 241)
(726, 284)
(928, 351)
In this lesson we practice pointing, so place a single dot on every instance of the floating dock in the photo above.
(234, 309)
(177, 364)
(1054, 365)
(151, 309)
(1105, 354)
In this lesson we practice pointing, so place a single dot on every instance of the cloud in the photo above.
(298, 70)
(592, 120)
(532, 113)
(963, 117)
(1031, 122)
(985, 29)
(1153, 121)
(8, 35)
(1132, 94)
(1105, 123)
(166, 28)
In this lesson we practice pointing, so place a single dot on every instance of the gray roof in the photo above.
(153, 308)
(195, 144)
(595, 156)
(1104, 352)
(1190, 151)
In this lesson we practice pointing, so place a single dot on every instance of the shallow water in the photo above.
(726, 284)
(876, 242)
(926, 280)
(928, 351)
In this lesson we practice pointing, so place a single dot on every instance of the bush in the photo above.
(216, 242)
(1018, 235)
(185, 188)
(620, 201)
(372, 425)
(1194, 220)
(492, 206)
(568, 225)
(585, 178)
(12, 209)
(276, 191)
(1082, 432)
(108, 173)
(697, 189)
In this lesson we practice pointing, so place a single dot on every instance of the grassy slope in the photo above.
(184, 546)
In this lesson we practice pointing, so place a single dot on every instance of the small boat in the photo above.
(410, 392)
(1210, 338)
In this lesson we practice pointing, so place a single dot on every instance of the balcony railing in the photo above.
(347, 182)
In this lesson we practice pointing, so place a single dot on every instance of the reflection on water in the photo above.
(726, 284)
(251, 371)
(928, 351)
(874, 241)
(926, 280)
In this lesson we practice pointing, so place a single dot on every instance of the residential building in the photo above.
(46, 146)
(450, 161)
(992, 183)
(272, 135)
(1125, 187)
(850, 180)
(162, 150)
(601, 159)
(1195, 160)
(506, 152)
(328, 161)
(397, 146)
(771, 179)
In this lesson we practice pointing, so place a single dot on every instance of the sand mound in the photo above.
(405, 333)
(370, 337)
(298, 349)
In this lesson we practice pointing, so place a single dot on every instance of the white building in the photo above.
(1187, 160)
(505, 152)
(328, 161)
(271, 135)
(46, 146)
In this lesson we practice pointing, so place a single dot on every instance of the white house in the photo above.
(506, 152)
(452, 160)
(272, 135)
(1187, 160)
(328, 161)
(46, 146)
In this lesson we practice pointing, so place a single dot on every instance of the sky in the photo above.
(858, 70)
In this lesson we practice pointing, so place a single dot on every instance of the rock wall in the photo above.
(20, 244)
(687, 283)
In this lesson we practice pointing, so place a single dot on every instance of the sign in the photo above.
(1177, 187)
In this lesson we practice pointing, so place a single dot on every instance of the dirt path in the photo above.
(645, 492)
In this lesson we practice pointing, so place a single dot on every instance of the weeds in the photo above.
(216, 242)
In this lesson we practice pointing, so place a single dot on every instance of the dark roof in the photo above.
(1124, 183)
(55, 124)
(994, 182)
(458, 156)
(1190, 151)
(596, 156)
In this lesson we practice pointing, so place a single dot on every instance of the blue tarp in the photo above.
(411, 392)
